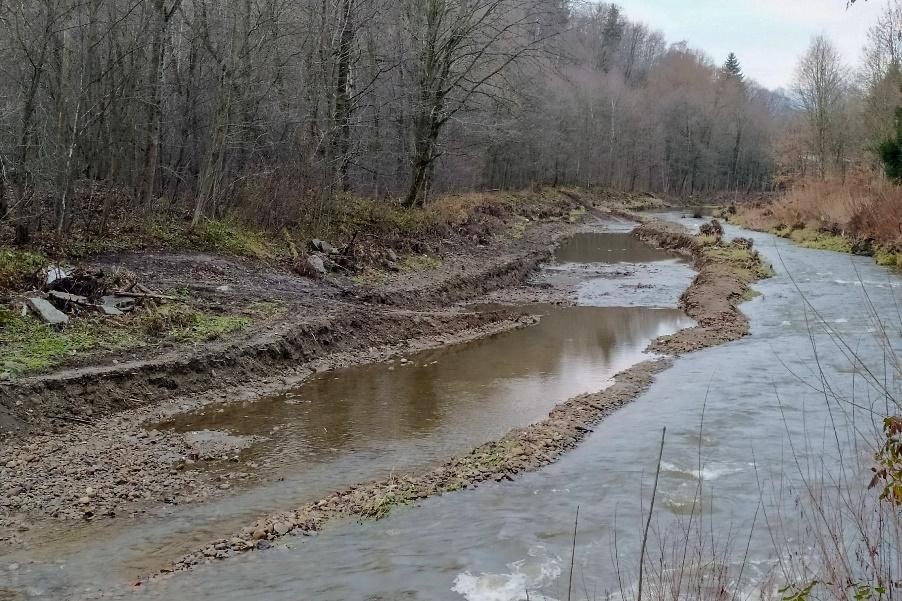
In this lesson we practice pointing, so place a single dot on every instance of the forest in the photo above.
(511, 275)
(270, 109)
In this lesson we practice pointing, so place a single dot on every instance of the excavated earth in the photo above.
(75, 446)
(73, 443)
(712, 300)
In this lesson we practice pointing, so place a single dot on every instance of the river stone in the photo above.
(65, 297)
(323, 246)
(113, 305)
(47, 312)
(316, 264)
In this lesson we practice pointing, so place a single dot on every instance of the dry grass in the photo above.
(862, 208)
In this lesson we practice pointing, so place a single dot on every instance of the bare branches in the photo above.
(197, 106)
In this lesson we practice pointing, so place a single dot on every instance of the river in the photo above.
(739, 418)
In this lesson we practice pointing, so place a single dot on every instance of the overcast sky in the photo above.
(767, 35)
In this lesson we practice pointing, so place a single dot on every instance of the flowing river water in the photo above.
(730, 413)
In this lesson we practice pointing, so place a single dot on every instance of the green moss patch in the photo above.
(746, 263)
(820, 240)
(29, 346)
(19, 266)
(183, 324)
(233, 238)
(888, 258)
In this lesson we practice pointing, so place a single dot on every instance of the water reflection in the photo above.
(459, 397)
(362, 423)
(512, 541)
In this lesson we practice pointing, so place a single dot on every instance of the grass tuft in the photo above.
(30, 346)
(231, 237)
(18, 266)
(183, 324)
(820, 240)
(888, 258)
(421, 263)
(746, 263)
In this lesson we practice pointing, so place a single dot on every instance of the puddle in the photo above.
(613, 269)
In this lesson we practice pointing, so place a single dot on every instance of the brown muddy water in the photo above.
(436, 403)
(362, 423)
(616, 270)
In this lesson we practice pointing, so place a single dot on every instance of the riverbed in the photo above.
(739, 418)
(364, 422)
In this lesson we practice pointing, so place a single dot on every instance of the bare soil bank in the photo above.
(73, 441)
(725, 275)
(320, 317)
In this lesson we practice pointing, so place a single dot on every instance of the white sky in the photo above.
(768, 36)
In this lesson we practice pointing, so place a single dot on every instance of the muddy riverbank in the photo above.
(726, 272)
(74, 444)
(115, 467)
(491, 242)
(124, 470)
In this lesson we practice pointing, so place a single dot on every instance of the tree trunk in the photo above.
(208, 182)
(342, 117)
(154, 110)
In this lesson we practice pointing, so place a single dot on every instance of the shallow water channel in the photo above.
(361, 423)
(730, 412)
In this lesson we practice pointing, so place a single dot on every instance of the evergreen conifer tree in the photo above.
(732, 69)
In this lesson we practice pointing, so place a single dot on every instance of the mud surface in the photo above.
(715, 295)
(319, 317)
(72, 442)
(114, 466)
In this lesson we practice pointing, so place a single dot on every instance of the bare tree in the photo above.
(269, 109)
(819, 88)
(462, 48)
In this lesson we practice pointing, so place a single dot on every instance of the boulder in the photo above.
(47, 312)
(315, 262)
(323, 247)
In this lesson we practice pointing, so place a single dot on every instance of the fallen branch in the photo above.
(150, 295)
